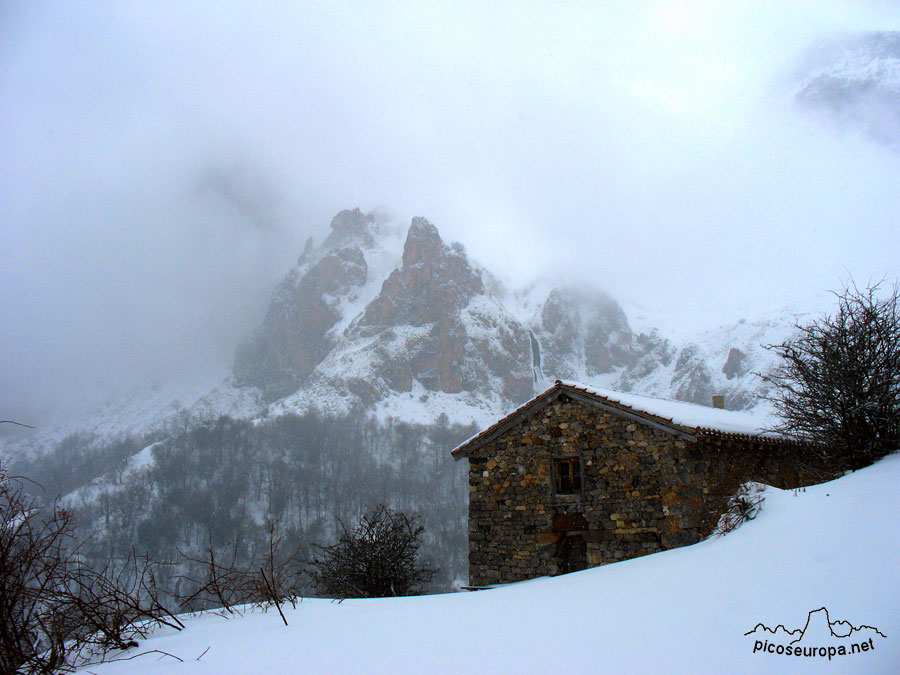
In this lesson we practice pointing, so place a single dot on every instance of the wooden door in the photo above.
(573, 551)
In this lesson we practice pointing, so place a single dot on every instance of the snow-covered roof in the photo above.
(685, 414)
(678, 417)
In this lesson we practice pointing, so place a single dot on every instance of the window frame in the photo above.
(568, 460)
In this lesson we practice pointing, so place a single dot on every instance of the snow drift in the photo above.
(701, 608)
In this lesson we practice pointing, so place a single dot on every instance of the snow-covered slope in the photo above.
(157, 408)
(726, 360)
(710, 608)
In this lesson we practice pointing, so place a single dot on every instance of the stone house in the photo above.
(578, 477)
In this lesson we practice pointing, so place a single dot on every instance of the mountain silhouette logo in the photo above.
(820, 636)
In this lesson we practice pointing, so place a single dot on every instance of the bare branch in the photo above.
(377, 559)
(839, 379)
(56, 612)
(27, 426)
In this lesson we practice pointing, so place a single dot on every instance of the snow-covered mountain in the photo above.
(386, 320)
(853, 81)
(373, 322)
(382, 349)
(367, 317)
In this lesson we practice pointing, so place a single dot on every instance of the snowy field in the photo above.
(834, 546)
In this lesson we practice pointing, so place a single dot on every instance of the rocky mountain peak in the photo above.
(423, 243)
(292, 340)
(352, 320)
(434, 281)
(349, 227)
(433, 325)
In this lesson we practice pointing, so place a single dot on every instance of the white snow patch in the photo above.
(318, 396)
(142, 460)
(681, 611)
(689, 414)
(227, 399)
(421, 406)
(381, 259)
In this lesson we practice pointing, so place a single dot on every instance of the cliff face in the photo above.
(434, 282)
(429, 322)
(454, 336)
(375, 313)
(293, 338)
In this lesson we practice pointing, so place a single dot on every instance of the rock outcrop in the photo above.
(434, 282)
(292, 339)
(435, 323)
(735, 364)
(583, 333)
(361, 322)
(351, 228)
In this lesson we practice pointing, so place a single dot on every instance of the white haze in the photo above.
(162, 163)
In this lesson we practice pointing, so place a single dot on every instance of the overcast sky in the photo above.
(162, 163)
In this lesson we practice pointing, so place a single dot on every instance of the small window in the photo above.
(568, 476)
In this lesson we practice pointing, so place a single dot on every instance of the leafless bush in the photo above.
(278, 579)
(272, 580)
(119, 603)
(219, 584)
(839, 380)
(742, 506)
(56, 612)
(377, 559)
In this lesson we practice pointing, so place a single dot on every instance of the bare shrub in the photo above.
(377, 559)
(219, 583)
(839, 380)
(271, 580)
(56, 613)
(278, 577)
(743, 506)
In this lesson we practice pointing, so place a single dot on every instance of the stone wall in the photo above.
(643, 490)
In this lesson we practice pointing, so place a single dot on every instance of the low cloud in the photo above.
(162, 166)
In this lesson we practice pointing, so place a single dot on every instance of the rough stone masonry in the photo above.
(645, 484)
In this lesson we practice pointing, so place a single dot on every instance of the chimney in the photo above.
(718, 402)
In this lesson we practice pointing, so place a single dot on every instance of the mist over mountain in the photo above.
(387, 320)
(162, 166)
(381, 349)
(617, 176)
(853, 82)
(342, 330)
